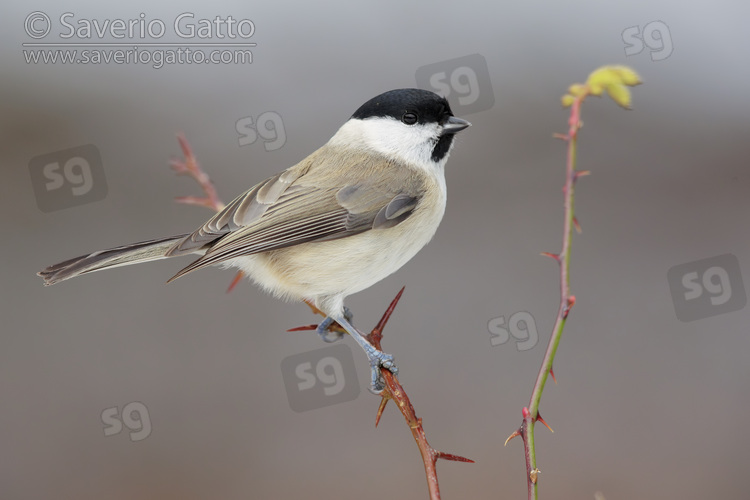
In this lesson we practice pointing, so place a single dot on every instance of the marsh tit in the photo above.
(339, 221)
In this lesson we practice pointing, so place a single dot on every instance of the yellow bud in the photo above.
(603, 76)
(567, 100)
(620, 94)
(628, 75)
(577, 90)
(608, 75)
(595, 89)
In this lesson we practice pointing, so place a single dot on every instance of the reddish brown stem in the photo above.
(394, 391)
(190, 167)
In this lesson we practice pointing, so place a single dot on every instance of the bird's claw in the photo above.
(378, 360)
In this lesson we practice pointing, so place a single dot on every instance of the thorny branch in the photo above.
(190, 167)
(615, 80)
(394, 391)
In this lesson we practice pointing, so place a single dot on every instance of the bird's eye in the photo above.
(409, 118)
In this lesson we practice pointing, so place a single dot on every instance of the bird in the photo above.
(350, 214)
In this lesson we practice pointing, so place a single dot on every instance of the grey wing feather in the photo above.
(277, 214)
(242, 211)
(396, 211)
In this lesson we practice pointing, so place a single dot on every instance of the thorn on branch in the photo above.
(305, 328)
(376, 335)
(452, 457)
(516, 433)
(581, 173)
(237, 279)
(383, 402)
(552, 256)
(577, 225)
(539, 418)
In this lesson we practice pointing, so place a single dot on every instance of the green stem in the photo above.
(566, 301)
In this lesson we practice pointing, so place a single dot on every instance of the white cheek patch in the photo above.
(411, 144)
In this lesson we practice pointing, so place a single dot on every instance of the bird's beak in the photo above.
(453, 125)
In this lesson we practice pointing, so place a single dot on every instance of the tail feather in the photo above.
(104, 259)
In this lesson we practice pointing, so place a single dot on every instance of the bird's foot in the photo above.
(379, 359)
(324, 328)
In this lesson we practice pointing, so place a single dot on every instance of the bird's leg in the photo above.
(323, 328)
(378, 359)
(325, 333)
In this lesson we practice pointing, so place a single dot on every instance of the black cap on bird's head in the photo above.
(416, 107)
(429, 106)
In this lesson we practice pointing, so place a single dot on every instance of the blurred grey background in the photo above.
(647, 406)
